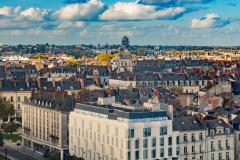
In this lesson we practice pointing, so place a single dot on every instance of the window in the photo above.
(161, 152)
(220, 144)
(219, 156)
(130, 133)
(129, 144)
(136, 155)
(227, 156)
(18, 98)
(145, 143)
(227, 130)
(200, 148)
(185, 150)
(177, 151)
(170, 151)
(201, 157)
(227, 145)
(177, 140)
(169, 141)
(212, 146)
(185, 138)
(153, 142)
(146, 132)
(193, 149)
(163, 130)
(145, 154)
(136, 143)
(11, 99)
(129, 155)
(200, 136)
(162, 141)
(193, 137)
(154, 153)
(212, 156)
(212, 133)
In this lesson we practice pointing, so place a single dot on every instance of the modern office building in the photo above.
(112, 131)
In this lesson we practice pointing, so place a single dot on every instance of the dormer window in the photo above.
(59, 88)
(212, 132)
(219, 131)
(227, 130)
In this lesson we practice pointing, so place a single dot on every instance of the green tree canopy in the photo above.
(6, 109)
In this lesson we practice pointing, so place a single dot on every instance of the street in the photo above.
(19, 152)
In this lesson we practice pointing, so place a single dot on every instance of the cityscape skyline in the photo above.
(157, 22)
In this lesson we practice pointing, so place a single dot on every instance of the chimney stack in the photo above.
(1, 83)
(82, 82)
(14, 82)
(39, 82)
(53, 83)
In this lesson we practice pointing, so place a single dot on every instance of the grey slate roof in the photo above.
(58, 101)
(187, 124)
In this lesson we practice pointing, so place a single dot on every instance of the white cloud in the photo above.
(82, 11)
(68, 25)
(34, 14)
(170, 2)
(134, 11)
(211, 20)
(5, 11)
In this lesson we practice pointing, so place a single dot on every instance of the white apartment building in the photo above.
(236, 127)
(220, 140)
(119, 132)
(45, 123)
(110, 131)
(192, 138)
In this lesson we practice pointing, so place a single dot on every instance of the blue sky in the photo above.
(158, 22)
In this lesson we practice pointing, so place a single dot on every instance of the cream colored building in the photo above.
(45, 123)
(119, 132)
(192, 138)
(220, 140)
(16, 97)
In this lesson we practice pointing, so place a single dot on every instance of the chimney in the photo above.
(82, 82)
(53, 83)
(170, 111)
(54, 95)
(32, 93)
(14, 83)
(62, 92)
(134, 78)
(40, 92)
(1, 83)
(39, 82)
(27, 83)
(97, 80)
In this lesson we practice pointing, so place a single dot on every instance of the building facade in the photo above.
(45, 123)
(118, 132)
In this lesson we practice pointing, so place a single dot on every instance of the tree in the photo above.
(104, 58)
(1, 139)
(6, 109)
(10, 127)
